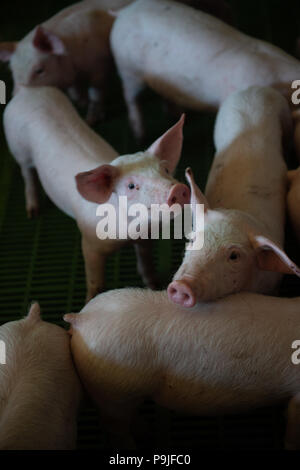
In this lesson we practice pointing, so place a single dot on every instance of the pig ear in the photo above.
(197, 196)
(97, 185)
(48, 42)
(6, 50)
(34, 312)
(169, 146)
(271, 257)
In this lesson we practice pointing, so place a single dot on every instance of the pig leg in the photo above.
(292, 438)
(31, 191)
(145, 266)
(132, 87)
(78, 94)
(94, 269)
(95, 111)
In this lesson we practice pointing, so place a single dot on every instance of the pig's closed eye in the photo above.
(131, 186)
(234, 255)
(39, 71)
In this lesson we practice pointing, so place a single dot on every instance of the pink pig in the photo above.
(39, 388)
(222, 357)
(190, 58)
(245, 203)
(70, 51)
(44, 132)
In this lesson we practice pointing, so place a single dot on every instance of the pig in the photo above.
(70, 51)
(190, 58)
(221, 357)
(244, 201)
(40, 390)
(44, 132)
(293, 197)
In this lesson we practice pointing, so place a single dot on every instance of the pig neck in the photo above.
(249, 175)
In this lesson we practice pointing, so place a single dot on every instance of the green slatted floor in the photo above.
(41, 259)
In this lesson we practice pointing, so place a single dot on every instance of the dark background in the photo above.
(41, 259)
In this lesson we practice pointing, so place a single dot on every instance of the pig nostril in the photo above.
(173, 290)
(173, 200)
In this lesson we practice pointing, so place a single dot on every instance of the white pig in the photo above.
(190, 57)
(222, 357)
(45, 132)
(71, 51)
(245, 203)
(39, 388)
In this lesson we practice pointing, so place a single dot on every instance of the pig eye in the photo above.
(131, 186)
(39, 71)
(234, 255)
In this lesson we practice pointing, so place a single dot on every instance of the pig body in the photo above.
(245, 203)
(221, 357)
(190, 58)
(39, 388)
(45, 132)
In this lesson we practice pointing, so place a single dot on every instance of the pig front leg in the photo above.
(95, 111)
(132, 87)
(79, 95)
(145, 265)
(292, 438)
(94, 269)
(31, 191)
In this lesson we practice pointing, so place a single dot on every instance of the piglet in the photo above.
(244, 204)
(190, 58)
(70, 51)
(227, 356)
(44, 132)
(39, 388)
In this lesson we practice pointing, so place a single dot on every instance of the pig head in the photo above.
(237, 255)
(40, 59)
(143, 178)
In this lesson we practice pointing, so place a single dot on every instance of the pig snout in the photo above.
(180, 292)
(179, 194)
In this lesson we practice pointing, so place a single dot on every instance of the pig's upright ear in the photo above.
(169, 146)
(270, 257)
(48, 42)
(197, 196)
(34, 313)
(97, 185)
(6, 50)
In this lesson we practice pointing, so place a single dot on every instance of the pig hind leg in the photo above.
(94, 269)
(31, 190)
(132, 87)
(292, 438)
